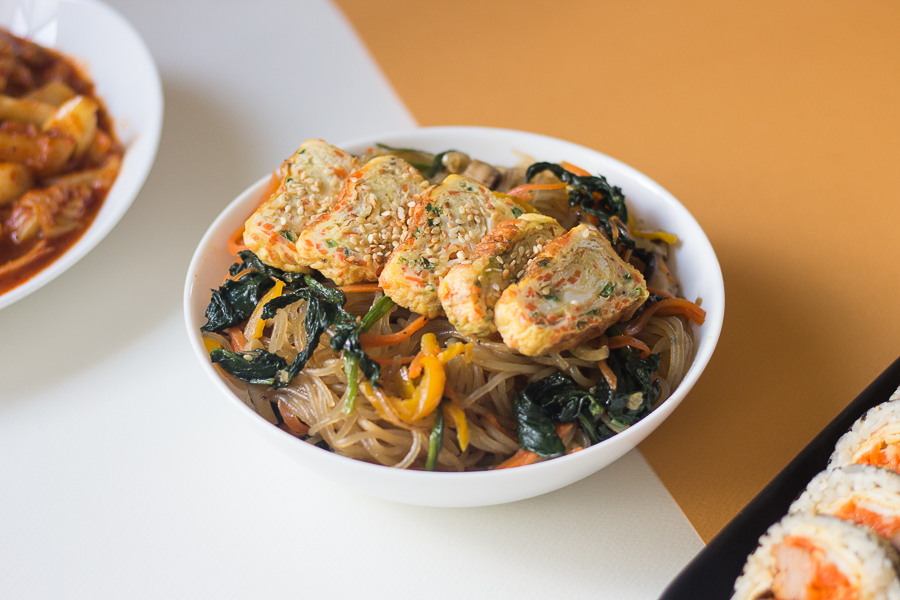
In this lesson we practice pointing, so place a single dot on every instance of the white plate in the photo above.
(125, 77)
(695, 266)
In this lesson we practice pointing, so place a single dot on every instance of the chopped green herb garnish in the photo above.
(331, 243)
(608, 289)
(288, 235)
(516, 211)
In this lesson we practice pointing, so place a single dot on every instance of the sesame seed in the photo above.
(495, 287)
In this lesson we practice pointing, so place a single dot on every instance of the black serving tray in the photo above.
(711, 574)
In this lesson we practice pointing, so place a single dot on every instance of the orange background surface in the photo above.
(777, 124)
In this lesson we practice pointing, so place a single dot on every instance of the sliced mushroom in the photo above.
(483, 173)
(455, 162)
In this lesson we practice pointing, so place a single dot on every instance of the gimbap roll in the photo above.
(873, 440)
(806, 557)
(862, 494)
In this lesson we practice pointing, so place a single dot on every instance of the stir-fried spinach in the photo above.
(558, 399)
(232, 304)
(636, 392)
(346, 340)
(235, 299)
(594, 196)
(254, 366)
(535, 425)
(347, 332)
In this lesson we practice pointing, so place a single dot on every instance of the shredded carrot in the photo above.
(388, 361)
(492, 419)
(291, 420)
(617, 221)
(524, 192)
(519, 459)
(608, 374)
(361, 287)
(415, 367)
(238, 275)
(562, 429)
(573, 169)
(660, 292)
(236, 241)
(575, 449)
(620, 341)
(667, 307)
(370, 340)
(236, 336)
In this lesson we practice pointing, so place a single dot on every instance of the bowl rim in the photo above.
(640, 430)
(138, 158)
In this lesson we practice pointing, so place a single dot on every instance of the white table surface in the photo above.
(122, 475)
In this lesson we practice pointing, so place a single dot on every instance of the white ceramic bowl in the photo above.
(695, 266)
(124, 76)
